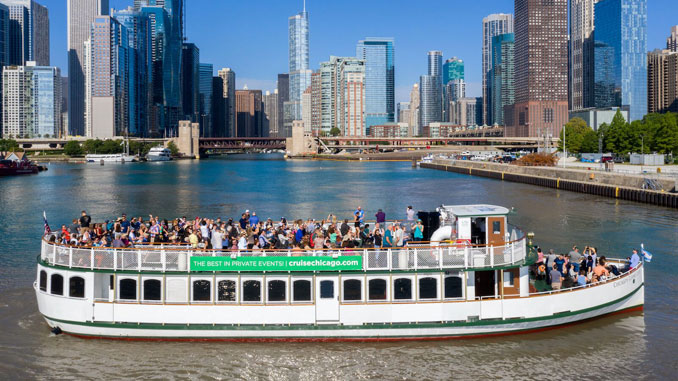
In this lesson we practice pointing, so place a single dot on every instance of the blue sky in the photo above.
(251, 36)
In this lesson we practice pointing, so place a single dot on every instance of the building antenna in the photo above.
(304, 6)
(183, 21)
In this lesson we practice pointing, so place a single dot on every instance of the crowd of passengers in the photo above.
(578, 269)
(247, 233)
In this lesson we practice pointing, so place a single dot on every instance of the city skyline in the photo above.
(258, 65)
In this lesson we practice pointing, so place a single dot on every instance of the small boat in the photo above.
(13, 168)
(111, 158)
(474, 278)
(159, 154)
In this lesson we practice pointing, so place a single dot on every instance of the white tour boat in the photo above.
(472, 280)
(159, 154)
(111, 158)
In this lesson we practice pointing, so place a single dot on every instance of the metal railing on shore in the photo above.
(177, 258)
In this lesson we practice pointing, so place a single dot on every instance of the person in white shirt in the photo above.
(410, 214)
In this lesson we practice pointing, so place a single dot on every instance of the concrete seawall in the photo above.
(612, 185)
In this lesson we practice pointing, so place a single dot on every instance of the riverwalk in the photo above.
(608, 184)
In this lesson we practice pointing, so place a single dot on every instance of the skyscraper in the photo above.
(249, 113)
(205, 99)
(378, 54)
(621, 55)
(270, 113)
(541, 105)
(228, 77)
(106, 79)
(32, 101)
(300, 75)
(581, 62)
(453, 68)
(218, 109)
(342, 95)
(672, 40)
(167, 26)
(662, 81)
(493, 25)
(414, 109)
(81, 14)
(190, 82)
(431, 91)
(28, 32)
(4, 46)
(503, 77)
(283, 85)
(139, 67)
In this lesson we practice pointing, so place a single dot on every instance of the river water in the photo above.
(640, 345)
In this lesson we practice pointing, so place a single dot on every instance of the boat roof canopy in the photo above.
(481, 210)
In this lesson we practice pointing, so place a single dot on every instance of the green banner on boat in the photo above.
(276, 263)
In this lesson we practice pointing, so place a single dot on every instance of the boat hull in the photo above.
(357, 322)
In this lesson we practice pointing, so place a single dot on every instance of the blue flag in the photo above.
(646, 254)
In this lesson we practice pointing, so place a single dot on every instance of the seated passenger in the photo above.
(600, 272)
(581, 279)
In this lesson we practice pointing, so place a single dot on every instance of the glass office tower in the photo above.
(621, 55)
(379, 80)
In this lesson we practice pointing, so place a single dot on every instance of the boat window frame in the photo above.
(461, 278)
(293, 280)
(210, 288)
(236, 290)
(143, 289)
(244, 280)
(51, 283)
(43, 287)
(387, 291)
(361, 289)
(70, 287)
(413, 288)
(119, 288)
(435, 277)
(286, 288)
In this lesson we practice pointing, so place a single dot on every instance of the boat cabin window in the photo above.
(301, 290)
(43, 280)
(202, 290)
(326, 289)
(453, 287)
(128, 289)
(277, 291)
(76, 287)
(402, 289)
(57, 284)
(152, 289)
(428, 288)
(251, 291)
(226, 291)
(377, 289)
(352, 290)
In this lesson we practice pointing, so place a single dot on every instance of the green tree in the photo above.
(335, 131)
(575, 131)
(9, 145)
(589, 142)
(111, 146)
(72, 148)
(173, 148)
(92, 145)
(617, 135)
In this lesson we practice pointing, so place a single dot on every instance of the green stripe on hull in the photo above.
(388, 326)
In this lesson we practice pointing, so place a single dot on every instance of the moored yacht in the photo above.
(159, 154)
(474, 278)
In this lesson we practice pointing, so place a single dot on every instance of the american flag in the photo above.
(47, 229)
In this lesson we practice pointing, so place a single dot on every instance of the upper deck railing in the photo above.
(176, 258)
